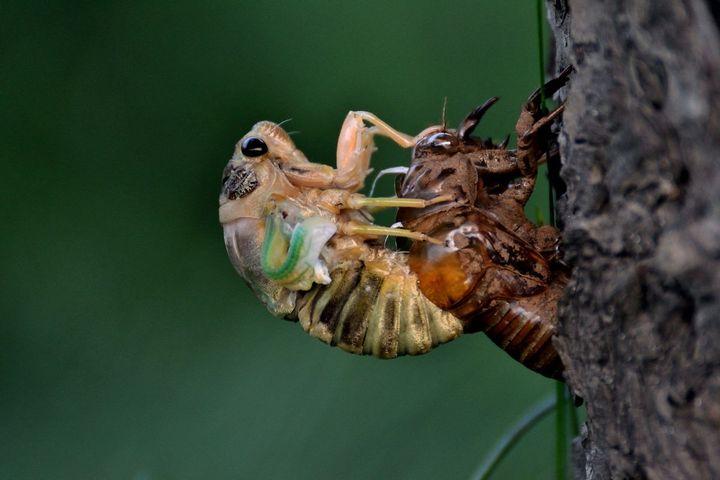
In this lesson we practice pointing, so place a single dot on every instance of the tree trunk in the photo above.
(640, 146)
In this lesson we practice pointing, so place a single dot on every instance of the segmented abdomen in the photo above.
(375, 308)
(524, 328)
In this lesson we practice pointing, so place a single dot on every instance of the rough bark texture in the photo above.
(640, 146)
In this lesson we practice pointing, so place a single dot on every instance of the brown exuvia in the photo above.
(495, 271)
(303, 238)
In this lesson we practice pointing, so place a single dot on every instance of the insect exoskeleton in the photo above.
(495, 270)
(304, 241)
(494, 282)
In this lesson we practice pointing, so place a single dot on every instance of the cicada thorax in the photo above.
(486, 273)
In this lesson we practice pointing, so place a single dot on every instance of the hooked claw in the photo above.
(503, 145)
(471, 121)
(549, 89)
(543, 122)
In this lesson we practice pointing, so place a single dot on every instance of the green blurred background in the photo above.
(130, 349)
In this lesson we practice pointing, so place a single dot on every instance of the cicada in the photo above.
(304, 240)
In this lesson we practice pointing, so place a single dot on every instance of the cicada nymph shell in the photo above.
(496, 271)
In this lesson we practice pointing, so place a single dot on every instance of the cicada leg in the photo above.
(533, 133)
(357, 201)
(355, 147)
(372, 230)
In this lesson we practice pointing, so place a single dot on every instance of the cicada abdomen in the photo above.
(375, 308)
(369, 306)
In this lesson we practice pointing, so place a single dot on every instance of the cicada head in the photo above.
(252, 176)
(250, 183)
(439, 140)
(438, 168)
(445, 162)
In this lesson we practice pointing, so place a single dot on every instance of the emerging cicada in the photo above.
(303, 238)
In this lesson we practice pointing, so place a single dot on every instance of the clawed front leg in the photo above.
(515, 170)
(547, 242)
(533, 133)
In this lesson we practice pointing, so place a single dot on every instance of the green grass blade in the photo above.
(574, 422)
(561, 437)
(541, 47)
(508, 441)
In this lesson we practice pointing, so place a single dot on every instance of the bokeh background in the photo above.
(129, 348)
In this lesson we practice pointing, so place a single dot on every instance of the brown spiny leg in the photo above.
(547, 242)
(473, 118)
(534, 135)
(486, 157)
(497, 167)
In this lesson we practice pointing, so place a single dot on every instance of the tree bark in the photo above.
(640, 145)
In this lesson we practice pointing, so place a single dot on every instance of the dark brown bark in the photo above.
(640, 323)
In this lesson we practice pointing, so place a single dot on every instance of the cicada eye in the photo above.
(253, 147)
(438, 142)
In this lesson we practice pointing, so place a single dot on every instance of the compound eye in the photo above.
(443, 140)
(253, 147)
(439, 142)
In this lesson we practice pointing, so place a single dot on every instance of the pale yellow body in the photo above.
(352, 291)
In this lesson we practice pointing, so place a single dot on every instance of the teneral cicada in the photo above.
(304, 239)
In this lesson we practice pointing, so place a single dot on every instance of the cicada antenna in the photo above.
(444, 111)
